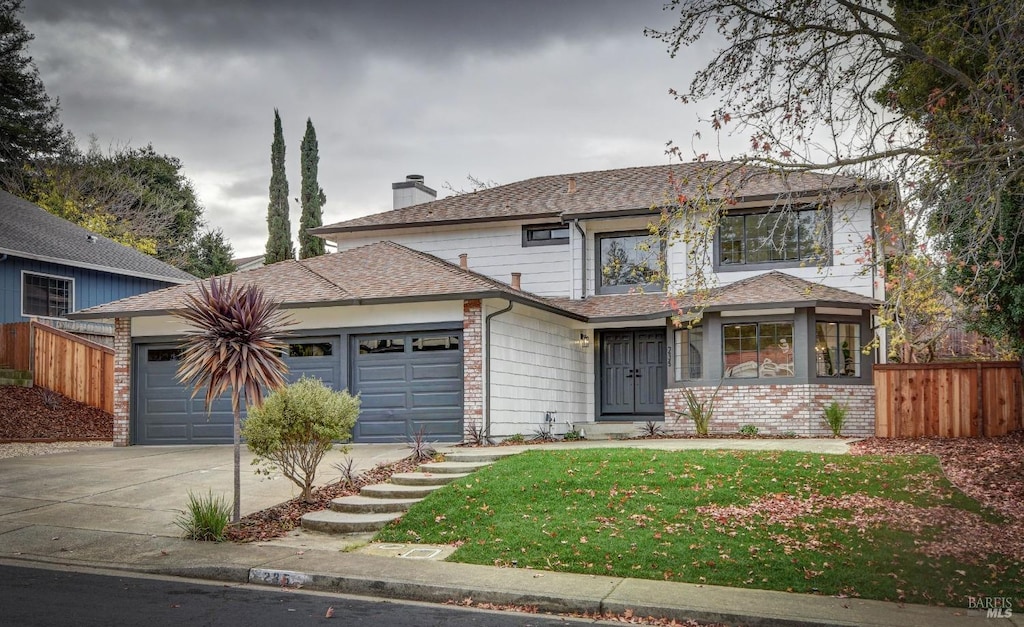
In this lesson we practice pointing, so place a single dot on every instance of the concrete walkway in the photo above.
(114, 508)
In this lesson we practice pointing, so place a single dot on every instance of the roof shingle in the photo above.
(32, 232)
(604, 192)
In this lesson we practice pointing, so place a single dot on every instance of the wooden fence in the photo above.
(949, 400)
(60, 361)
(15, 346)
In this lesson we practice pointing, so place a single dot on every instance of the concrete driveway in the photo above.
(141, 489)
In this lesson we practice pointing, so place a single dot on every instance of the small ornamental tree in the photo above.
(295, 427)
(233, 344)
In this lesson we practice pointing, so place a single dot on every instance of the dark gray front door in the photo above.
(632, 373)
(408, 382)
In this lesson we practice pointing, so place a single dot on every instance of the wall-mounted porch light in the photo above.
(584, 340)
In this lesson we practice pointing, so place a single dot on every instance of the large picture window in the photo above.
(792, 236)
(837, 349)
(757, 350)
(627, 261)
(688, 354)
(46, 296)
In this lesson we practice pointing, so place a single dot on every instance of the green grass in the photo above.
(633, 513)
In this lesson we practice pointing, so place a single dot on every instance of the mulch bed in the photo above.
(989, 470)
(280, 519)
(28, 414)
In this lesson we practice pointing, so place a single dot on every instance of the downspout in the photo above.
(583, 236)
(487, 369)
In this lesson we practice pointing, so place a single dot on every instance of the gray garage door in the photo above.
(408, 382)
(165, 414)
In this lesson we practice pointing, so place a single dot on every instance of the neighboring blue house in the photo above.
(50, 267)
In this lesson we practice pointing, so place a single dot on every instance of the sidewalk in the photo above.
(314, 562)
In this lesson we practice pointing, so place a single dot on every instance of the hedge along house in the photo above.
(499, 311)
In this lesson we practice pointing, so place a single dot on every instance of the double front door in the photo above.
(632, 373)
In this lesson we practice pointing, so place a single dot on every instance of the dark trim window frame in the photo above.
(837, 349)
(688, 354)
(780, 238)
(758, 350)
(545, 234)
(46, 295)
(629, 268)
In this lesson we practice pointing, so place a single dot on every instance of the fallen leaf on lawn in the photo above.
(330, 613)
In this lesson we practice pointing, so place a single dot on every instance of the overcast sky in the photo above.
(500, 90)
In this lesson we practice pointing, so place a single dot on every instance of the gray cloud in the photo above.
(503, 91)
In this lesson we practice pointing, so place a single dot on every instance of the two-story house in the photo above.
(548, 301)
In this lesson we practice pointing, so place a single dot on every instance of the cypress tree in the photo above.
(313, 197)
(279, 240)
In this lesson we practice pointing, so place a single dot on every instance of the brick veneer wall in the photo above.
(122, 379)
(777, 409)
(472, 364)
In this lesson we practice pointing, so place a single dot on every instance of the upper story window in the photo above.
(627, 261)
(46, 296)
(545, 234)
(791, 237)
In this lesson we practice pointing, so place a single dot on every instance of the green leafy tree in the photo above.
(313, 197)
(211, 255)
(296, 426)
(233, 344)
(135, 196)
(279, 240)
(29, 122)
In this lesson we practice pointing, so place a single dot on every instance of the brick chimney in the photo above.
(411, 192)
(464, 261)
(516, 278)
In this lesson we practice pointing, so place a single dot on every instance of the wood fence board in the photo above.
(951, 400)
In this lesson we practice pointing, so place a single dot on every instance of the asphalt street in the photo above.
(52, 597)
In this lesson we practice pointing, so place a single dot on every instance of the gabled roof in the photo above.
(31, 232)
(379, 273)
(774, 289)
(601, 193)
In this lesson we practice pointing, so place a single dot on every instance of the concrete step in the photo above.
(330, 521)
(392, 491)
(610, 430)
(359, 504)
(478, 456)
(423, 478)
(454, 468)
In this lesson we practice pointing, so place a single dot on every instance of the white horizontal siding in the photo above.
(495, 250)
(537, 366)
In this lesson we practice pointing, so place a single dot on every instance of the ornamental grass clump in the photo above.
(206, 517)
(296, 426)
(835, 417)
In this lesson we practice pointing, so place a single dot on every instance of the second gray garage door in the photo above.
(408, 382)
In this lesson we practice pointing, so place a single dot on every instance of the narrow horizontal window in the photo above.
(790, 236)
(436, 343)
(377, 345)
(545, 234)
(310, 349)
(163, 354)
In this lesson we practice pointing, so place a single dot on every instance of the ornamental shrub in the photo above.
(296, 426)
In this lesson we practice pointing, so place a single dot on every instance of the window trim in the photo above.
(757, 323)
(559, 241)
(598, 266)
(826, 259)
(71, 293)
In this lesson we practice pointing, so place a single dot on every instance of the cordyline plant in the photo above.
(234, 345)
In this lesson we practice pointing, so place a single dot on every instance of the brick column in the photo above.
(122, 379)
(472, 364)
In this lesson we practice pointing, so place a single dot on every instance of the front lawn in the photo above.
(890, 528)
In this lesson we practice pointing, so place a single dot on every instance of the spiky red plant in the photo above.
(234, 345)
